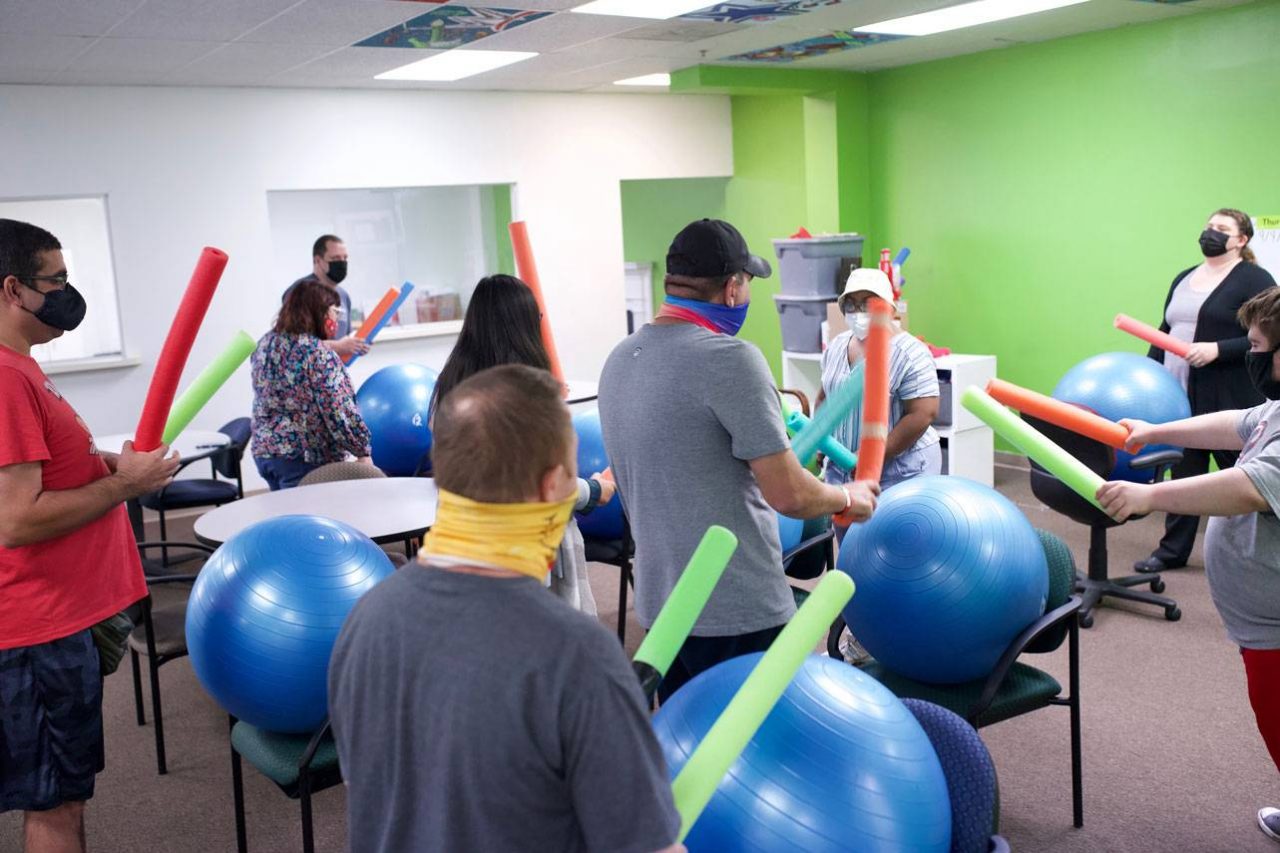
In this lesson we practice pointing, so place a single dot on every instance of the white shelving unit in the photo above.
(968, 445)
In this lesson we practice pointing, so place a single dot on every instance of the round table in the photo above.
(581, 392)
(191, 444)
(387, 509)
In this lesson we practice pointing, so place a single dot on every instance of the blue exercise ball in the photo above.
(839, 764)
(265, 612)
(948, 572)
(790, 532)
(604, 522)
(395, 403)
(1120, 385)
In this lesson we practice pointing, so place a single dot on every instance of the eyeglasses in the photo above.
(60, 280)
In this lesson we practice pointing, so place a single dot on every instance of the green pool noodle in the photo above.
(683, 606)
(213, 377)
(831, 448)
(747, 710)
(1038, 447)
(847, 398)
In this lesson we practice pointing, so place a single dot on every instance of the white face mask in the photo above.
(859, 322)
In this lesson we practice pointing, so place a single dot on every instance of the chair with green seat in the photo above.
(1015, 688)
(300, 765)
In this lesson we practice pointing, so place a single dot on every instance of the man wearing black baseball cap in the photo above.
(693, 428)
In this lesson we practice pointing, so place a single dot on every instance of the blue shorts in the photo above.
(50, 723)
(281, 473)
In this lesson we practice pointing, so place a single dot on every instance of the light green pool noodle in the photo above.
(1078, 477)
(747, 710)
(687, 599)
(213, 377)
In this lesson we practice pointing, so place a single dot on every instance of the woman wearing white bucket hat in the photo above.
(912, 448)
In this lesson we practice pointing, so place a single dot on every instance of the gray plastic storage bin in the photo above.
(816, 266)
(802, 318)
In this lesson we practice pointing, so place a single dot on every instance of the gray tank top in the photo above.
(1181, 315)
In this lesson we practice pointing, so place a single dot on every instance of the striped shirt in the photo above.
(912, 375)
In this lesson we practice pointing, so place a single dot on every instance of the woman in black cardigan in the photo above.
(1201, 309)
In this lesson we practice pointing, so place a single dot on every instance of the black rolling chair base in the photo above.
(1094, 591)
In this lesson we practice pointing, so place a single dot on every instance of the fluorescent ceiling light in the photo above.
(964, 15)
(657, 9)
(455, 64)
(663, 79)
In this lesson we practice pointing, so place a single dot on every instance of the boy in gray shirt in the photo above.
(472, 709)
(693, 428)
(1242, 543)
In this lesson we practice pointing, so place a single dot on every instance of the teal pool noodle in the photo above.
(846, 399)
(832, 449)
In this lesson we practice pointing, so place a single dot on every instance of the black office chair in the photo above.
(615, 552)
(187, 494)
(1053, 493)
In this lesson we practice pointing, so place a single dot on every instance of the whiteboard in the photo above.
(1266, 243)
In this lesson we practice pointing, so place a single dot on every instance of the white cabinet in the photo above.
(968, 445)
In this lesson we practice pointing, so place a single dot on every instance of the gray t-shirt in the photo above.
(474, 713)
(683, 411)
(1182, 315)
(1242, 552)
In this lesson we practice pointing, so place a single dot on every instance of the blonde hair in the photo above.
(1245, 224)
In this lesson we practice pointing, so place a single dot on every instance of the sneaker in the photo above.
(1269, 822)
(852, 650)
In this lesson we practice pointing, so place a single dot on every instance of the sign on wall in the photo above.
(1266, 243)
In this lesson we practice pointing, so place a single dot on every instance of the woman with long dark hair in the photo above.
(503, 325)
(1201, 309)
(304, 408)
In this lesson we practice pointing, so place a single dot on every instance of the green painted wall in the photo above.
(1046, 187)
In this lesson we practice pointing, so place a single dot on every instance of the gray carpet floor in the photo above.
(1172, 758)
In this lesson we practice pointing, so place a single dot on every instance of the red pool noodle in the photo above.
(528, 271)
(1153, 336)
(177, 346)
(875, 399)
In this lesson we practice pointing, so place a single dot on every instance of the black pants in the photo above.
(701, 653)
(1180, 530)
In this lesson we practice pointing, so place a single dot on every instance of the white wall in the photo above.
(184, 168)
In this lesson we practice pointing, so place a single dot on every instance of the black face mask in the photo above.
(1259, 365)
(1213, 243)
(337, 271)
(62, 309)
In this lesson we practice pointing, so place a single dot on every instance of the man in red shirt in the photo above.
(67, 554)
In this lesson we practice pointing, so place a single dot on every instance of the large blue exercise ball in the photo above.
(1120, 385)
(604, 522)
(948, 572)
(265, 612)
(395, 403)
(839, 764)
(790, 532)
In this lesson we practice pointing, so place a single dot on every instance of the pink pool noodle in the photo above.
(1153, 336)
(177, 346)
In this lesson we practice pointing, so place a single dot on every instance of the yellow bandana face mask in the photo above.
(522, 537)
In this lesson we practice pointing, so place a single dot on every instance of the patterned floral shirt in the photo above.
(303, 404)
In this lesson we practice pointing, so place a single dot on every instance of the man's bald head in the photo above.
(496, 435)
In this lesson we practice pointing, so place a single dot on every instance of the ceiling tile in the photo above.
(350, 64)
(38, 53)
(245, 63)
(447, 27)
(333, 22)
(558, 32)
(64, 17)
(680, 30)
(198, 20)
(130, 56)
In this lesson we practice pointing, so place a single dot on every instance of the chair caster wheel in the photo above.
(1157, 585)
(1086, 620)
(1173, 614)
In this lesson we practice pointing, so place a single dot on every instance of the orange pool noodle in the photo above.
(528, 272)
(1151, 335)
(875, 399)
(1058, 413)
(375, 316)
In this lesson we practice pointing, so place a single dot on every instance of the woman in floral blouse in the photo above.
(304, 409)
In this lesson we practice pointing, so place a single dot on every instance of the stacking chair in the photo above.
(160, 632)
(190, 493)
(615, 552)
(300, 765)
(338, 471)
(1053, 493)
(971, 778)
(1015, 688)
